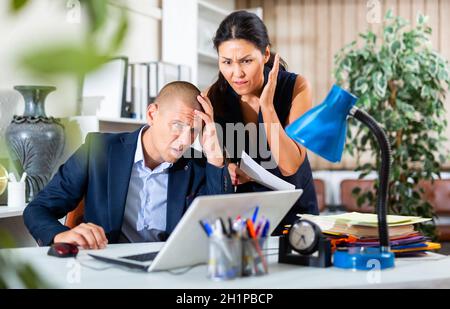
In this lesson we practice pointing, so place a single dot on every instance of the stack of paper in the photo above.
(361, 230)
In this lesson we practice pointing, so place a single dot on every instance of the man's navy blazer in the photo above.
(99, 171)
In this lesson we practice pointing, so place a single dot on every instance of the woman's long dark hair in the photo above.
(239, 25)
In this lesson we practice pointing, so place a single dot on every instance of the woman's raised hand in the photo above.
(268, 93)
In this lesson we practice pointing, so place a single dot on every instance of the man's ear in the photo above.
(267, 54)
(152, 111)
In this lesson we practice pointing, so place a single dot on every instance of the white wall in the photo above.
(225, 4)
(46, 21)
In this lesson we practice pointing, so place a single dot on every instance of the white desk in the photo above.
(429, 272)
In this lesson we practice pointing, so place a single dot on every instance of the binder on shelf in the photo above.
(162, 73)
(127, 108)
(108, 86)
(144, 82)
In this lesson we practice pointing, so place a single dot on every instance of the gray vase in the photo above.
(35, 141)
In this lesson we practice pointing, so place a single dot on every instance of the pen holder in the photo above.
(225, 256)
(254, 263)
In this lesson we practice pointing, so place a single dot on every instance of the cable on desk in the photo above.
(106, 268)
(184, 271)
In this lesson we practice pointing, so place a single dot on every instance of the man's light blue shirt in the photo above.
(146, 204)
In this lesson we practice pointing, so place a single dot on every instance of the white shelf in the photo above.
(198, 23)
(207, 57)
(8, 211)
(213, 8)
(123, 120)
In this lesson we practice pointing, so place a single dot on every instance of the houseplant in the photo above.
(402, 83)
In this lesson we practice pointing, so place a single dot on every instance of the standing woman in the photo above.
(254, 87)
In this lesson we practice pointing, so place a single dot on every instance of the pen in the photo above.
(260, 226)
(224, 228)
(206, 227)
(236, 182)
(265, 229)
(221, 240)
(261, 259)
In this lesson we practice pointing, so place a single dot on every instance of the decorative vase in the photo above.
(35, 141)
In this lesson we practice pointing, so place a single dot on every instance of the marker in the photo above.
(251, 229)
(255, 214)
(265, 229)
(232, 230)
(260, 256)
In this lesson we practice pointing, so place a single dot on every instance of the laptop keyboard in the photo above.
(144, 257)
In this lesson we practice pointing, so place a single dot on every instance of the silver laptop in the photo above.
(188, 240)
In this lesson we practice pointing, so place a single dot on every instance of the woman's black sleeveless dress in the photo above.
(302, 179)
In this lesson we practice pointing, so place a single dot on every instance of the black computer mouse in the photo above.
(63, 250)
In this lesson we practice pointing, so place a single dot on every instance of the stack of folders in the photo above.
(237, 246)
(145, 80)
(361, 230)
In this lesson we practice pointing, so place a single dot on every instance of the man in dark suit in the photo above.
(136, 186)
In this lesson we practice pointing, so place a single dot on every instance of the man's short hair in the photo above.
(180, 91)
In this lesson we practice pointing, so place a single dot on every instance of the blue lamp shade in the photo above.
(323, 128)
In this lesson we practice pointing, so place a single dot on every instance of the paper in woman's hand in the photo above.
(261, 175)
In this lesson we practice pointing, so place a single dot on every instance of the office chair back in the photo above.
(438, 195)
(319, 185)
(75, 217)
(349, 202)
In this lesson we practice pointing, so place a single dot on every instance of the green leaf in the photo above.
(56, 60)
(395, 47)
(380, 84)
(97, 11)
(356, 191)
(389, 14)
(361, 86)
(411, 64)
(17, 5)
(422, 19)
(406, 109)
(121, 32)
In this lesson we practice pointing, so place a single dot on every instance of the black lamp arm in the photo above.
(383, 173)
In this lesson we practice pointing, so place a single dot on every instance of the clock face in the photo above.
(303, 236)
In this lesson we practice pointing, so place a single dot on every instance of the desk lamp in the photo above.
(323, 130)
